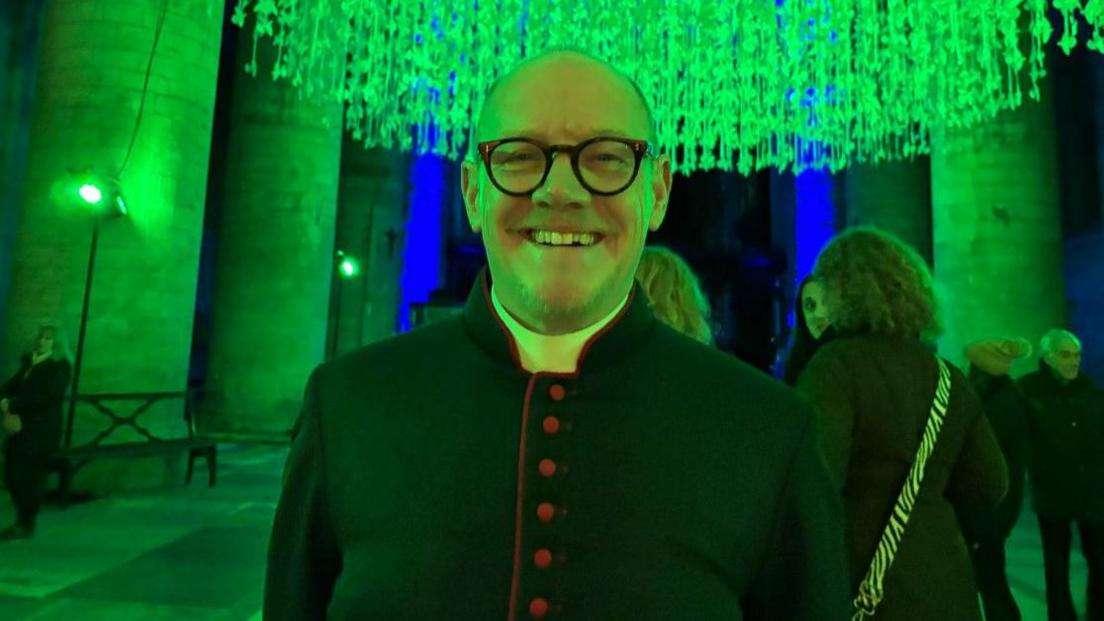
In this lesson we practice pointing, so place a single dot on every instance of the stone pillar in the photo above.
(274, 253)
(997, 232)
(384, 270)
(894, 196)
(20, 32)
(371, 201)
(92, 113)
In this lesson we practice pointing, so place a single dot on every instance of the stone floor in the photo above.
(197, 553)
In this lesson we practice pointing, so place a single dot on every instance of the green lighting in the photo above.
(744, 84)
(347, 267)
(102, 192)
(91, 194)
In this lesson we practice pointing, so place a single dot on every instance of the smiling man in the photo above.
(554, 451)
(564, 189)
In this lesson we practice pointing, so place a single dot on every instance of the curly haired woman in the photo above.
(874, 380)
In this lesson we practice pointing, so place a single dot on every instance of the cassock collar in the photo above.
(545, 352)
(617, 339)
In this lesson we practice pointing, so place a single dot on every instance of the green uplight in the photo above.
(91, 194)
(348, 267)
(101, 192)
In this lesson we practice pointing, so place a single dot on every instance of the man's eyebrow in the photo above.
(611, 132)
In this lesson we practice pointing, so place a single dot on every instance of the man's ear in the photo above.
(469, 187)
(661, 191)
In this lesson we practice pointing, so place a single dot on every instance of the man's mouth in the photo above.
(543, 237)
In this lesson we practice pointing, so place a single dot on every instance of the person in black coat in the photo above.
(873, 381)
(1066, 418)
(31, 405)
(987, 531)
(554, 451)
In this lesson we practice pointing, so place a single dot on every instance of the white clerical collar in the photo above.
(542, 352)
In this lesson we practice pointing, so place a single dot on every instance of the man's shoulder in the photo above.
(399, 349)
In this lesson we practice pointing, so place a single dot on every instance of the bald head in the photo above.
(558, 67)
(1057, 337)
(560, 99)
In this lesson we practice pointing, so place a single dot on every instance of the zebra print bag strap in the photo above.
(871, 588)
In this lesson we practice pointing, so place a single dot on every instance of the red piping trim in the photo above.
(515, 574)
(506, 331)
(516, 356)
(606, 328)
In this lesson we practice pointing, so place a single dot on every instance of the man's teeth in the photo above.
(550, 238)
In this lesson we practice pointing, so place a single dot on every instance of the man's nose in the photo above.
(562, 187)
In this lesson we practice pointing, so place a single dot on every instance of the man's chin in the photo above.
(559, 304)
(564, 300)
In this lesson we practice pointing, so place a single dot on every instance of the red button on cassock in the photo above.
(538, 607)
(551, 425)
(545, 511)
(547, 467)
(542, 558)
(557, 392)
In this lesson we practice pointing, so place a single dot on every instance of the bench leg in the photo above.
(191, 467)
(212, 465)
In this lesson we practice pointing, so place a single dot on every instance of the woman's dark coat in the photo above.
(874, 394)
(36, 393)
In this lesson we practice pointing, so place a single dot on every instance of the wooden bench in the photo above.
(70, 459)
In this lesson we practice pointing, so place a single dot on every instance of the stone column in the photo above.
(894, 196)
(20, 32)
(371, 201)
(274, 253)
(94, 111)
(997, 232)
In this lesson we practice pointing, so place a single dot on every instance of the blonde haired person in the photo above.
(674, 292)
(874, 381)
(30, 414)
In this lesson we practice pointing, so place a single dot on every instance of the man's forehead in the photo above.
(1066, 344)
(574, 96)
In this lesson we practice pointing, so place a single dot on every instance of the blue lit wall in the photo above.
(814, 218)
(1084, 267)
(423, 261)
